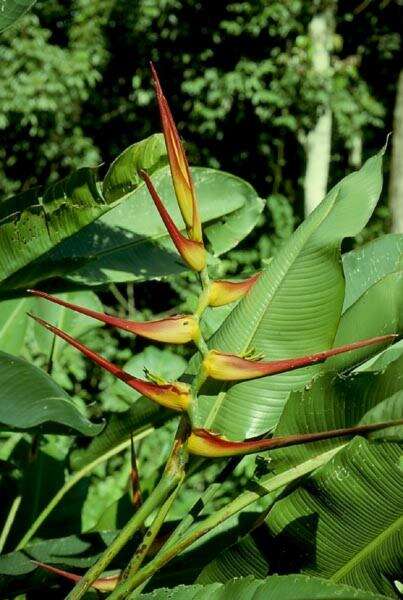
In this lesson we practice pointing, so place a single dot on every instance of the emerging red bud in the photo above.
(105, 584)
(174, 395)
(181, 177)
(231, 367)
(173, 330)
(192, 252)
(205, 443)
(223, 292)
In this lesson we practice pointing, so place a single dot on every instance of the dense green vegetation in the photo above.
(277, 103)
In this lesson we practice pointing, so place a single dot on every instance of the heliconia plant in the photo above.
(219, 364)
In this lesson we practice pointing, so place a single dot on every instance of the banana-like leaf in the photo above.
(293, 309)
(332, 402)
(123, 174)
(240, 560)
(290, 587)
(13, 324)
(130, 243)
(30, 398)
(345, 521)
(35, 222)
(378, 310)
(12, 10)
(368, 264)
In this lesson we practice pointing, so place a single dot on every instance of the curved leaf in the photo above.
(368, 264)
(293, 309)
(122, 176)
(29, 397)
(333, 402)
(345, 521)
(379, 310)
(290, 587)
(130, 243)
(39, 221)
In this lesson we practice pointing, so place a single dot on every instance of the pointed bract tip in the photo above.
(192, 252)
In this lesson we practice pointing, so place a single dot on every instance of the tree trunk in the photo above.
(396, 167)
(318, 141)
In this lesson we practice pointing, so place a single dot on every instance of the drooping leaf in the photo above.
(290, 587)
(345, 521)
(368, 264)
(122, 176)
(29, 398)
(12, 10)
(293, 309)
(39, 221)
(130, 243)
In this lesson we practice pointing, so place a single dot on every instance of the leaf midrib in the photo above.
(220, 398)
(367, 550)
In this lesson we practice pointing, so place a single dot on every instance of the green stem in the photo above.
(201, 503)
(266, 486)
(173, 474)
(125, 588)
(158, 495)
(9, 521)
(69, 484)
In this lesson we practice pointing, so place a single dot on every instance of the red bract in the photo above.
(174, 395)
(192, 252)
(206, 443)
(223, 292)
(181, 176)
(231, 367)
(179, 329)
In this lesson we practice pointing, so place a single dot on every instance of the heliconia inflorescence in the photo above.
(179, 329)
(181, 176)
(232, 367)
(206, 443)
(223, 292)
(192, 251)
(175, 395)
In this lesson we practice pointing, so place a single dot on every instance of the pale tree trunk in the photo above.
(318, 141)
(396, 167)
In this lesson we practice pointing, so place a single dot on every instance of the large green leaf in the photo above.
(37, 221)
(368, 264)
(130, 242)
(13, 324)
(332, 402)
(378, 311)
(122, 176)
(12, 10)
(29, 398)
(291, 587)
(345, 521)
(293, 309)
